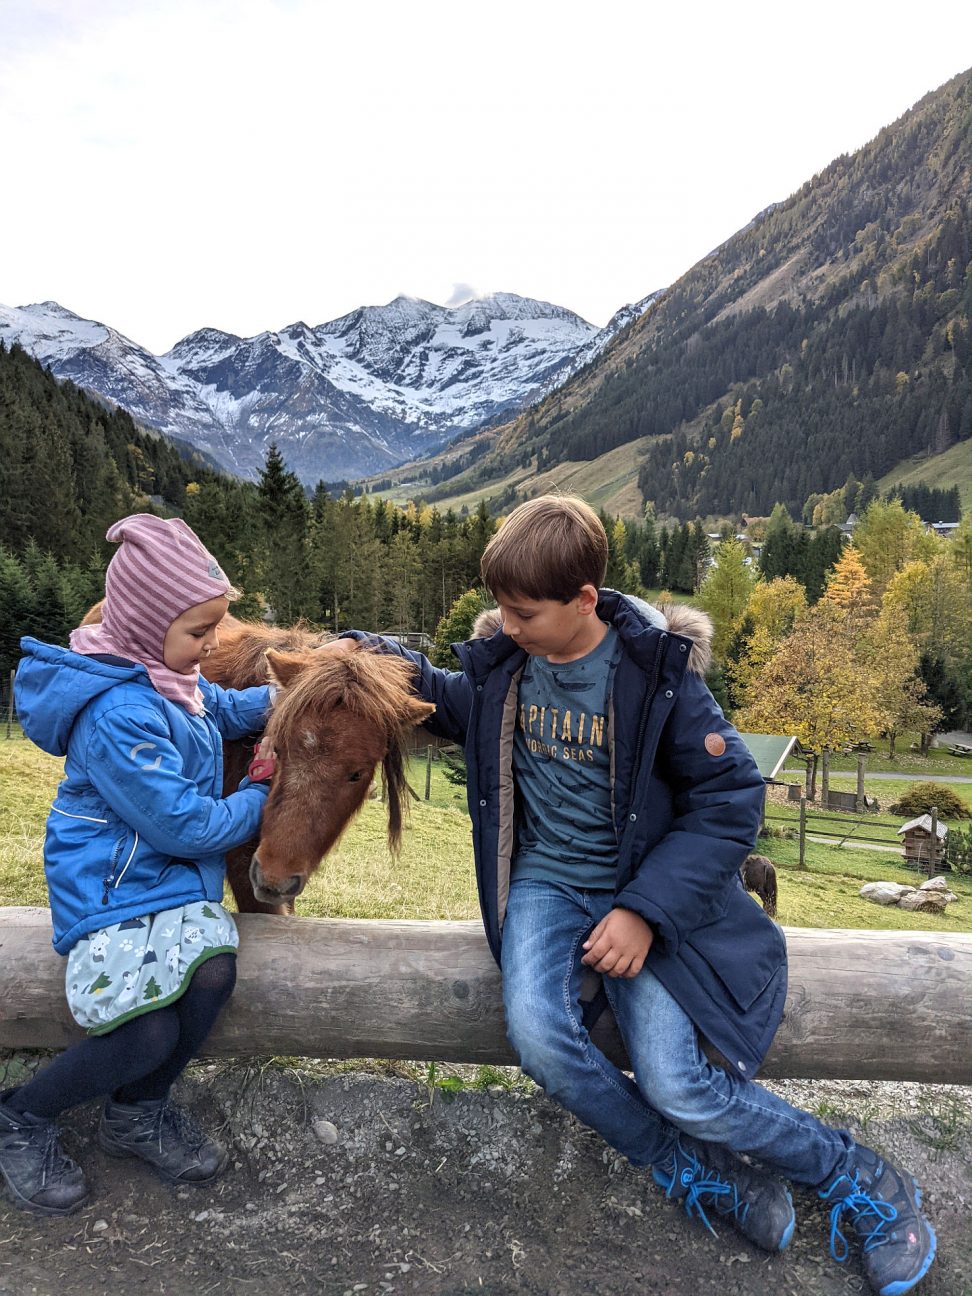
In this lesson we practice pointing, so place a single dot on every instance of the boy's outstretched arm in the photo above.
(450, 691)
(683, 881)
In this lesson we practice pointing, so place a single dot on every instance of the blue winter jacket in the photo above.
(139, 822)
(685, 817)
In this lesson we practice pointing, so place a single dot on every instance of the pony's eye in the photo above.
(355, 777)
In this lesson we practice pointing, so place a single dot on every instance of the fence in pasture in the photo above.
(851, 828)
(8, 708)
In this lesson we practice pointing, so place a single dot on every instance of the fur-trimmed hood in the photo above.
(677, 618)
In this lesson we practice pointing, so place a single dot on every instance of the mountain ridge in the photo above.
(375, 387)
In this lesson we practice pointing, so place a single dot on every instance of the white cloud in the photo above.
(461, 293)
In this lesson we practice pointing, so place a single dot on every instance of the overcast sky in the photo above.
(166, 165)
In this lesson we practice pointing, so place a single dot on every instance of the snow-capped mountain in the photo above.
(347, 398)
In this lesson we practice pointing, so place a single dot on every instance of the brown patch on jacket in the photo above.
(682, 620)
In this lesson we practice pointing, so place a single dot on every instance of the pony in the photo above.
(335, 720)
(759, 875)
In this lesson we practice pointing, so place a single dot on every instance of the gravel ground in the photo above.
(361, 1181)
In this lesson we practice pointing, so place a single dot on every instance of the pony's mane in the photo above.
(374, 687)
(240, 661)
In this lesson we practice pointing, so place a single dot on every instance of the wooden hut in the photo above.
(923, 843)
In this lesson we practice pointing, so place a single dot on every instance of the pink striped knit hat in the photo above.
(160, 570)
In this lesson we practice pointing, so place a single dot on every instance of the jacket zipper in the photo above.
(645, 708)
(111, 881)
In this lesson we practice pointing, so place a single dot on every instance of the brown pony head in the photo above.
(337, 718)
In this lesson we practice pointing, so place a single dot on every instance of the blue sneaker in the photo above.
(704, 1174)
(884, 1208)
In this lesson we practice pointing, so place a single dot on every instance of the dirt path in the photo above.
(363, 1183)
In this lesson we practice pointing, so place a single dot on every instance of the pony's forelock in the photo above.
(376, 689)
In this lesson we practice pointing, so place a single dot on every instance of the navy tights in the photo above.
(138, 1060)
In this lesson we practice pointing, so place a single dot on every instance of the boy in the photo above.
(612, 806)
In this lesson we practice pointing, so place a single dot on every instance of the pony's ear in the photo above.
(93, 614)
(283, 668)
(416, 711)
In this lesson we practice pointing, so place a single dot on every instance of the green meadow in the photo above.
(433, 876)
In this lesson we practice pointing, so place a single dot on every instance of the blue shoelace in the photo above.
(861, 1205)
(702, 1182)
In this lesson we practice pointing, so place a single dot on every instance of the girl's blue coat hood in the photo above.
(54, 685)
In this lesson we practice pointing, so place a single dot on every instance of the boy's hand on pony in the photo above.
(619, 944)
(343, 647)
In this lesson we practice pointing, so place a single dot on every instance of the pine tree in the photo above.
(283, 514)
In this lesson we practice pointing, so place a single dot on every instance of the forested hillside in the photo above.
(829, 339)
(69, 466)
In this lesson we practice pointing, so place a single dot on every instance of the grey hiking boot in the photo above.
(38, 1175)
(165, 1136)
(884, 1208)
(705, 1175)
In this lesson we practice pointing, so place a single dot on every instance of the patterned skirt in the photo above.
(130, 968)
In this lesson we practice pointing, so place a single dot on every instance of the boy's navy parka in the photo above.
(686, 812)
(139, 823)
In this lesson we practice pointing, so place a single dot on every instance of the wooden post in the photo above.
(803, 831)
(933, 843)
(809, 781)
(860, 785)
(10, 707)
(825, 779)
(428, 772)
(867, 1005)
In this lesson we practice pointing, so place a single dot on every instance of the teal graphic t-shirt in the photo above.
(562, 770)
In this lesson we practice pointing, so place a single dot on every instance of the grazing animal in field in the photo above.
(335, 720)
(759, 875)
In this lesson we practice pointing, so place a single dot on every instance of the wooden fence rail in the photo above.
(861, 1005)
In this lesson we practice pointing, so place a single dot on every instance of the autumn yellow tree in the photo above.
(891, 657)
(815, 686)
(848, 584)
(887, 538)
(935, 602)
(771, 613)
(726, 591)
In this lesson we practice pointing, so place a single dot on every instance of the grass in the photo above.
(951, 468)
(609, 482)
(434, 876)
(826, 893)
(28, 778)
(909, 764)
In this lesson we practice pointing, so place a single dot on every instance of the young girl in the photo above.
(134, 860)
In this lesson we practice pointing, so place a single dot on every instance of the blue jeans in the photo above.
(675, 1088)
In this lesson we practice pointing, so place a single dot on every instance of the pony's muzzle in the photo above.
(274, 892)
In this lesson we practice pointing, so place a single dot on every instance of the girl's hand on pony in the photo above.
(619, 944)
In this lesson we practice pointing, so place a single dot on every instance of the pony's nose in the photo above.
(285, 889)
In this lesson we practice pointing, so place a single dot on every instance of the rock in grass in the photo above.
(885, 893)
(924, 901)
(939, 885)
